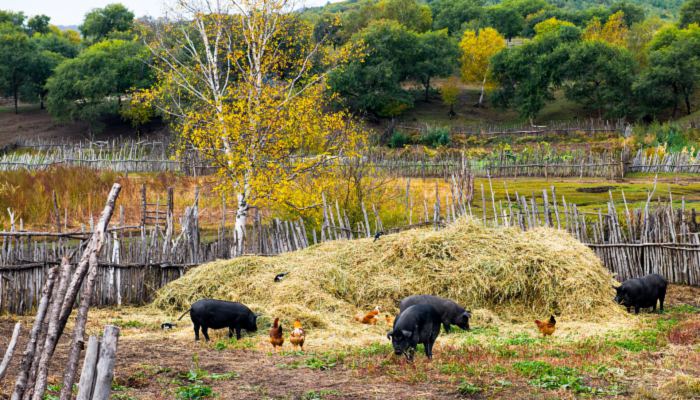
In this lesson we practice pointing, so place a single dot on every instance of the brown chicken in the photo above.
(547, 328)
(370, 318)
(389, 320)
(298, 335)
(276, 336)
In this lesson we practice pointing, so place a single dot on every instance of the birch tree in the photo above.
(477, 50)
(242, 82)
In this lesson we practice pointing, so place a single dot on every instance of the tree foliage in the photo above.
(599, 76)
(690, 13)
(477, 51)
(244, 91)
(92, 85)
(15, 53)
(101, 22)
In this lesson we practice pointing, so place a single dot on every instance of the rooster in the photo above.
(298, 335)
(276, 337)
(547, 328)
(370, 318)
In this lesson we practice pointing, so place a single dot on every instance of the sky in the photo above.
(71, 12)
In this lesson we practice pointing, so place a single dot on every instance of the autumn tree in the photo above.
(614, 31)
(244, 93)
(477, 51)
(449, 94)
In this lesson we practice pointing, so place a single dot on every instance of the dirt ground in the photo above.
(34, 124)
(157, 364)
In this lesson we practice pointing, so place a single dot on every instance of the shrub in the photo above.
(436, 137)
(399, 140)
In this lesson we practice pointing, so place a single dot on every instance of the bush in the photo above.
(399, 140)
(436, 137)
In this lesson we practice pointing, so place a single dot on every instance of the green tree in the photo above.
(527, 74)
(453, 14)
(15, 52)
(633, 13)
(100, 22)
(41, 65)
(56, 43)
(690, 13)
(38, 24)
(436, 55)
(599, 76)
(93, 84)
(674, 69)
(373, 85)
(507, 21)
(409, 13)
(13, 18)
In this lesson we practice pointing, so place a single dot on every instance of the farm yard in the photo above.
(376, 199)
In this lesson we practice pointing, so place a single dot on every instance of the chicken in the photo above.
(276, 336)
(370, 318)
(298, 335)
(547, 328)
(389, 320)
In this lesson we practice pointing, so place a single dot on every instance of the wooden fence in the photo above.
(136, 261)
(159, 156)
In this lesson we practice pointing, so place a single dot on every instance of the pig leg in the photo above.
(230, 332)
(205, 332)
(196, 331)
(446, 326)
(429, 350)
(636, 309)
(238, 333)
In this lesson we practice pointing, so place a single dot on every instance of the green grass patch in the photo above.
(320, 394)
(547, 376)
(467, 389)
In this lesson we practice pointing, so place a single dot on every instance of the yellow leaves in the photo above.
(550, 25)
(477, 51)
(614, 31)
(450, 91)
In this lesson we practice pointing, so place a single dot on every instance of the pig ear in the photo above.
(406, 333)
(467, 314)
(389, 334)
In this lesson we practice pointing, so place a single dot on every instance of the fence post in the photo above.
(105, 363)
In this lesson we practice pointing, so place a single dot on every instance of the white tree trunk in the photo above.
(483, 87)
(241, 216)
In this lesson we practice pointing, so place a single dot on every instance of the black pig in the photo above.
(416, 324)
(218, 314)
(642, 292)
(450, 312)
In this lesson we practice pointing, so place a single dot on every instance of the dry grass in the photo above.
(501, 274)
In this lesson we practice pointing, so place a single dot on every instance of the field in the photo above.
(651, 357)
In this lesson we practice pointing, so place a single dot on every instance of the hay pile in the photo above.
(515, 275)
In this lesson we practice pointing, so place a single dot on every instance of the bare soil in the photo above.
(154, 364)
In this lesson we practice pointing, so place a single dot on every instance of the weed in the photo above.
(376, 349)
(226, 376)
(399, 140)
(467, 389)
(547, 376)
(194, 391)
(128, 324)
(321, 363)
(521, 339)
(220, 345)
(320, 394)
